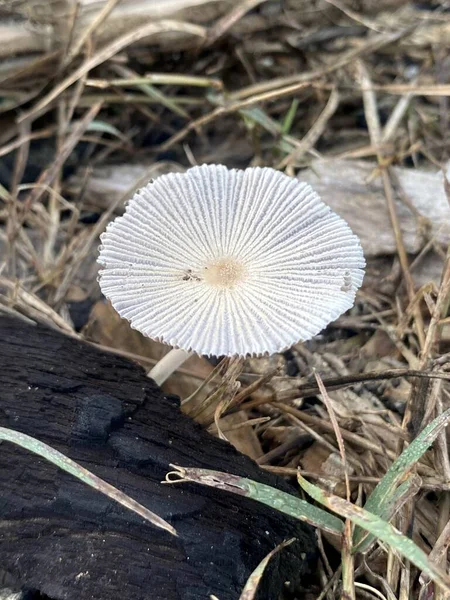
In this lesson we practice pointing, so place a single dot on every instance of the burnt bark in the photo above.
(67, 541)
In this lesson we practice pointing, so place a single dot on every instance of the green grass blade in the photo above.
(293, 506)
(380, 501)
(152, 92)
(70, 466)
(406, 490)
(380, 529)
(103, 127)
(281, 501)
(289, 117)
(257, 115)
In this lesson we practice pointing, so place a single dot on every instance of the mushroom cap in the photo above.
(229, 262)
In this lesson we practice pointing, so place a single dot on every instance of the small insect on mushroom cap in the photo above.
(230, 262)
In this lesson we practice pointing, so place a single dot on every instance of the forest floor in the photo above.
(351, 96)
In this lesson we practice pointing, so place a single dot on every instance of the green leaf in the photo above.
(380, 529)
(70, 466)
(406, 490)
(281, 501)
(289, 117)
(103, 127)
(293, 506)
(381, 500)
(152, 92)
(257, 115)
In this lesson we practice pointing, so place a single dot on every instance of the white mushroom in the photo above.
(229, 262)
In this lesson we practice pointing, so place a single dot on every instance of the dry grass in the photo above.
(248, 83)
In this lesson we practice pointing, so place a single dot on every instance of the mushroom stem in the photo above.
(168, 364)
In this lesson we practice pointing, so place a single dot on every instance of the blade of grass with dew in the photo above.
(381, 500)
(70, 466)
(405, 491)
(380, 529)
(251, 587)
(265, 494)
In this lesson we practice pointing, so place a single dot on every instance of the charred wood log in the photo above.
(68, 541)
